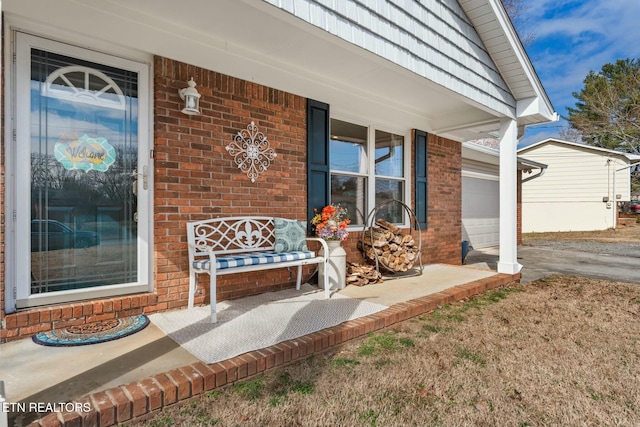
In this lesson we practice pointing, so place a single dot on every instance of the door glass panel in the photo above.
(84, 153)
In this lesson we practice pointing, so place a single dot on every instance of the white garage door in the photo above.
(481, 211)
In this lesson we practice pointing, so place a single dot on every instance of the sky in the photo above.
(572, 38)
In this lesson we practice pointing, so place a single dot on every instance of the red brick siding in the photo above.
(195, 178)
(441, 241)
(443, 237)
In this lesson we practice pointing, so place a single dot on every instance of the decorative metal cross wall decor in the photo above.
(251, 151)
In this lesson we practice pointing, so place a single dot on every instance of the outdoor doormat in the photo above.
(92, 333)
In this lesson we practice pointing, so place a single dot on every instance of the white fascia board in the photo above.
(473, 151)
(633, 158)
(539, 143)
(535, 107)
(540, 105)
(480, 153)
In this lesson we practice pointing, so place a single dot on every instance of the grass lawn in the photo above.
(630, 234)
(558, 351)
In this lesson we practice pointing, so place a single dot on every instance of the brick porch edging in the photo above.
(134, 400)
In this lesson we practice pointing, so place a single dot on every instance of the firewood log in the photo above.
(361, 275)
(394, 248)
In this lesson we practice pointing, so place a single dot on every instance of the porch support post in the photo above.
(508, 261)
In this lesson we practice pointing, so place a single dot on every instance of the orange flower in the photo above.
(331, 222)
(328, 212)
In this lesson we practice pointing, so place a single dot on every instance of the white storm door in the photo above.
(80, 187)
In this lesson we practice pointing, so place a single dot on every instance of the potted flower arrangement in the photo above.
(331, 223)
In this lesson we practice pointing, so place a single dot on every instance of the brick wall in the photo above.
(195, 178)
(442, 240)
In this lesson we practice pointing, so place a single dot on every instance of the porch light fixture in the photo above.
(191, 99)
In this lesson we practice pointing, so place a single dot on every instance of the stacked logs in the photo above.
(361, 275)
(395, 250)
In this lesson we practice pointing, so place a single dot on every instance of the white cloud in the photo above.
(575, 37)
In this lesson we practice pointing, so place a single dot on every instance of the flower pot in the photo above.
(337, 267)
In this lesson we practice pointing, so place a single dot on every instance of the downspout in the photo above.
(538, 175)
(615, 208)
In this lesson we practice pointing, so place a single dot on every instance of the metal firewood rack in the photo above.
(414, 227)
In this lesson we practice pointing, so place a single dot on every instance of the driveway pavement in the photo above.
(610, 261)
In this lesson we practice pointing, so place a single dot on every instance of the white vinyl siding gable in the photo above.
(432, 38)
(575, 175)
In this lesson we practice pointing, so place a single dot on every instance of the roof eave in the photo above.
(471, 150)
(504, 46)
(633, 158)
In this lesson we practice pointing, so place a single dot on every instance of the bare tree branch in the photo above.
(516, 9)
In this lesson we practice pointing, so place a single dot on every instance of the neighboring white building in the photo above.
(481, 193)
(580, 189)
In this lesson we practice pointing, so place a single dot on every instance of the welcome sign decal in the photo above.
(85, 154)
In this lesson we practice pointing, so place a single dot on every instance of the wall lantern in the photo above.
(191, 99)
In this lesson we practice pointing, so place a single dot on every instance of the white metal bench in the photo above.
(241, 244)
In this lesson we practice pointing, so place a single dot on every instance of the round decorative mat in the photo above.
(93, 333)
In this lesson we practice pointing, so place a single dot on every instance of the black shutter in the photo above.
(421, 178)
(318, 172)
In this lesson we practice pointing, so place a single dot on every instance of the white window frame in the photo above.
(370, 175)
(17, 122)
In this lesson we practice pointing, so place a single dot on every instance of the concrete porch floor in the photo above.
(134, 375)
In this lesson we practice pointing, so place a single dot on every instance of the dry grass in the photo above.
(627, 234)
(559, 351)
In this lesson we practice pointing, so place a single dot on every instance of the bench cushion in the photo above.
(291, 235)
(253, 259)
